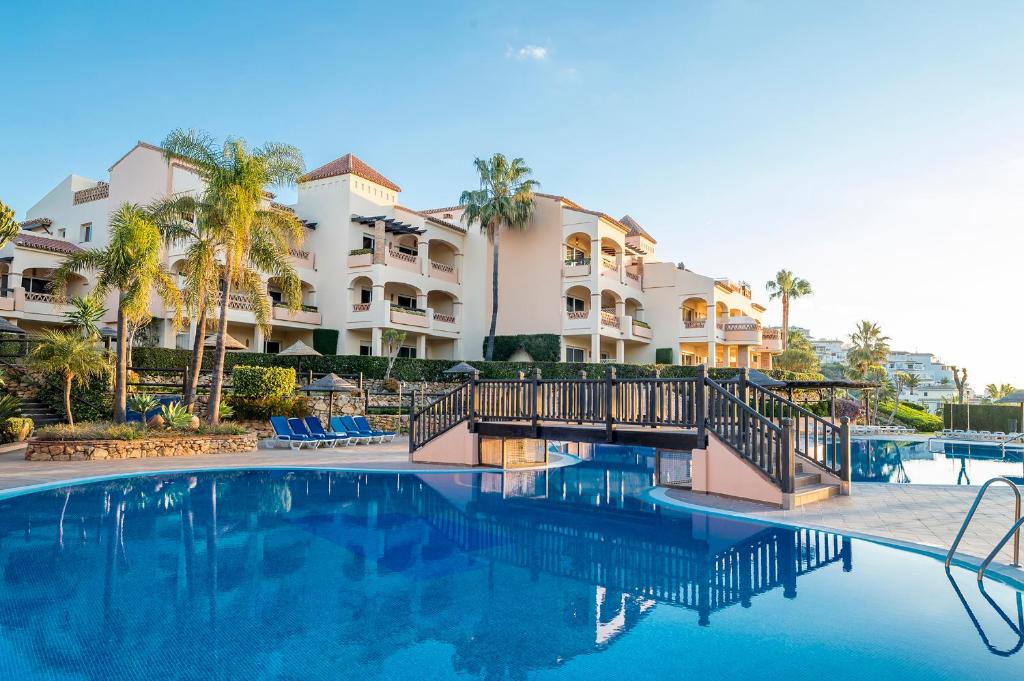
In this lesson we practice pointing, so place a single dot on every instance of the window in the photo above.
(275, 296)
(365, 350)
(408, 250)
(61, 232)
(405, 301)
(365, 295)
(573, 254)
(181, 341)
(33, 285)
(368, 241)
(86, 232)
(575, 355)
(574, 304)
(272, 347)
(407, 352)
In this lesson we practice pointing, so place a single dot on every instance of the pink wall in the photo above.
(717, 470)
(457, 446)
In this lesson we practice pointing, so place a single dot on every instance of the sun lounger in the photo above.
(364, 426)
(298, 427)
(283, 433)
(316, 429)
(339, 426)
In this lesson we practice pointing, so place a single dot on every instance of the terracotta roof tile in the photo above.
(635, 229)
(349, 164)
(428, 216)
(44, 244)
(36, 222)
(449, 209)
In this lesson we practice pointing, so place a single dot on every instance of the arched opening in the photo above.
(308, 293)
(577, 302)
(38, 284)
(443, 305)
(577, 249)
(405, 244)
(401, 295)
(735, 312)
(721, 311)
(635, 309)
(611, 254)
(361, 293)
(694, 309)
(442, 252)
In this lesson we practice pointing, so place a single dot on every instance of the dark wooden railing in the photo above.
(767, 430)
(753, 436)
(439, 416)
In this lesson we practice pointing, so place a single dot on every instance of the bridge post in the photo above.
(517, 396)
(653, 409)
(700, 395)
(742, 380)
(412, 423)
(788, 457)
(609, 405)
(845, 457)
(581, 396)
(471, 407)
(536, 404)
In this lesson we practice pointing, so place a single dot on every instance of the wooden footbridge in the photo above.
(789, 445)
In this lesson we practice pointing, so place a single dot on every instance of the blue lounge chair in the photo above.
(316, 429)
(339, 426)
(298, 427)
(283, 433)
(364, 425)
(351, 425)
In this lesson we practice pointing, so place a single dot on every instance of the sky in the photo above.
(873, 148)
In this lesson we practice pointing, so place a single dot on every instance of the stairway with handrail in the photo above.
(786, 442)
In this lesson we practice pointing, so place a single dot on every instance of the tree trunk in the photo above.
(489, 354)
(67, 398)
(196, 362)
(785, 322)
(217, 381)
(121, 368)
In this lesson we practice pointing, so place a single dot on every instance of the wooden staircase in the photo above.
(809, 486)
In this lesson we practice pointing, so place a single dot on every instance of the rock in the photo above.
(155, 421)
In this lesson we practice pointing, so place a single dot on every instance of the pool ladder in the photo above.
(1014, 531)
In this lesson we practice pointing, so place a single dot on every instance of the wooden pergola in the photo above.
(829, 385)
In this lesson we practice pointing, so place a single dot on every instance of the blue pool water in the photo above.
(933, 463)
(559, 574)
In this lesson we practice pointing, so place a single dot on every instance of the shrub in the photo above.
(176, 415)
(15, 429)
(848, 408)
(542, 347)
(225, 411)
(914, 418)
(664, 356)
(637, 322)
(142, 403)
(105, 430)
(325, 341)
(91, 402)
(10, 406)
(392, 385)
(360, 251)
(914, 405)
(262, 408)
(262, 382)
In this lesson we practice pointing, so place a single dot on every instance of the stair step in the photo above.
(812, 493)
(807, 479)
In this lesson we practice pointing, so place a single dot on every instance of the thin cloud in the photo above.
(528, 53)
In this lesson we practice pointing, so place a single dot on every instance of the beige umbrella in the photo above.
(300, 350)
(230, 343)
(331, 383)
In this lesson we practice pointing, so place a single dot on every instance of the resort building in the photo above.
(369, 264)
(830, 350)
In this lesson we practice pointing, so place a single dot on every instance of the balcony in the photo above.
(409, 317)
(439, 270)
(577, 320)
(360, 257)
(642, 330)
(301, 258)
(633, 279)
(771, 340)
(579, 267)
(609, 319)
(694, 329)
(402, 260)
(34, 303)
(445, 322)
(307, 314)
(742, 331)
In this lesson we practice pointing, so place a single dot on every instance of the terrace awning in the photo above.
(391, 226)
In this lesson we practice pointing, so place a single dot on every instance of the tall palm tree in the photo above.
(867, 358)
(132, 265)
(912, 382)
(787, 287)
(71, 355)
(8, 225)
(256, 237)
(998, 391)
(85, 315)
(503, 201)
(189, 220)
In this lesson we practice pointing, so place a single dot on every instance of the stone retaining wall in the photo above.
(100, 450)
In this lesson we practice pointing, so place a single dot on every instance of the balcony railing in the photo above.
(694, 323)
(442, 271)
(609, 319)
(578, 314)
(610, 264)
(237, 301)
(399, 255)
(361, 307)
(33, 297)
(444, 318)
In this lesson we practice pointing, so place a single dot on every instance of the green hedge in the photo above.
(994, 417)
(15, 428)
(262, 408)
(262, 381)
(919, 420)
(432, 369)
(542, 347)
(325, 341)
(664, 356)
(92, 402)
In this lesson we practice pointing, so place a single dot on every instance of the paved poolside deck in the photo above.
(924, 515)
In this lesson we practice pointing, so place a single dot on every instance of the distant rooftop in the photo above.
(349, 164)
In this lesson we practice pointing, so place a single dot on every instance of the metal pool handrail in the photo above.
(1014, 530)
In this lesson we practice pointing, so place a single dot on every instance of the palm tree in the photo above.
(85, 314)
(504, 201)
(998, 392)
(71, 355)
(867, 357)
(133, 266)
(187, 219)
(8, 225)
(912, 381)
(255, 239)
(787, 287)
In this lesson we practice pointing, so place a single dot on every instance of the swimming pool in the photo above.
(933, 463)
(564, 574)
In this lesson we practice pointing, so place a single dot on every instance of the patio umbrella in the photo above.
(7, 327)
(230, 343)
(300, 350)
(331, 383)
(758, 378)
(460, 368)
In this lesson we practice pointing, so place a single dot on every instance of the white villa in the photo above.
(369, 264)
